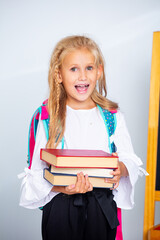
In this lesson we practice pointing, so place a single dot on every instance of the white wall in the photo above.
(28, 32)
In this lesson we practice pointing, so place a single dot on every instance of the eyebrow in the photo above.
(73, 64)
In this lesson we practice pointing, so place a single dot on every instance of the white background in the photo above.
(29, 31)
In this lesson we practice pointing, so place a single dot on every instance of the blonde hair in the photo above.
(57, 96)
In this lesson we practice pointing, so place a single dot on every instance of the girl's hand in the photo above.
(121, 171)
(82, 186)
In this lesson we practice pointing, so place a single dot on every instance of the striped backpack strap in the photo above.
(42, 110)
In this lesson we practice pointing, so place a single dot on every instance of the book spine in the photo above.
(41, 154)
(75, 166)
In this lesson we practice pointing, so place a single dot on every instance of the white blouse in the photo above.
(85, 129)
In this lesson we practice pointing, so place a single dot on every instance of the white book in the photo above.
(91, 172)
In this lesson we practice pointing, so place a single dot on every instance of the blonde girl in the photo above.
(77, 92)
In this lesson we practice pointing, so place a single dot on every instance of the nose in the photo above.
(83, 75)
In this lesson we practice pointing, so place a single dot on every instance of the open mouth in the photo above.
(82, 88)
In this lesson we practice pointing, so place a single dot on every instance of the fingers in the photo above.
(115, 186)
(114, 181)
(117, 172)
(82, 185)
(70, 189)
(115, 154)
(89, 186)
(116, 177)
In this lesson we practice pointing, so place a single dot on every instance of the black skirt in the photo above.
(89, 216)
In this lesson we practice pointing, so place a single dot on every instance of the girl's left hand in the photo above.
(121, 171)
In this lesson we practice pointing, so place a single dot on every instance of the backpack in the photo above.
(109, 118)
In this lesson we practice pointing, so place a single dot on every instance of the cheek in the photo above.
(93, 75)
(94, 79)
(95, 83)
(70, 77)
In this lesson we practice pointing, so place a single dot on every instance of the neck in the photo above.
(81, 105)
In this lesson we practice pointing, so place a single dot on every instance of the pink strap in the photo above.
(113, 111)
(45, 102)
(119, 235)
(31, 141)
(44, 113)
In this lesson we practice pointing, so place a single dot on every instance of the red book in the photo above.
(79, 158)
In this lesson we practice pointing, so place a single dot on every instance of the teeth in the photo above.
(86, 85)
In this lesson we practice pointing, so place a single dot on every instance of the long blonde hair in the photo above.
(57, 96)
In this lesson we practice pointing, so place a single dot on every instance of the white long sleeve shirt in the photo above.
(85, 129)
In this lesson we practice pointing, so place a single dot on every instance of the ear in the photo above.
(100, 70)
(59, 77)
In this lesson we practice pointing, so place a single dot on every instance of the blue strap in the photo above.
(110, 122)
(115, 122)
(35, 128)
(101, 112)
(62, 143)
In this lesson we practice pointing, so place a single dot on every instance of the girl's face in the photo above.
(79, 75)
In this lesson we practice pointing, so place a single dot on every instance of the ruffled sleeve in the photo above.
(124, 194)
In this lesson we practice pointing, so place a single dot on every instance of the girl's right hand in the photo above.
(82, 186)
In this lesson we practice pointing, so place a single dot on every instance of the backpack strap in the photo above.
(119, 234)
(109, 118)
(42, 110)
(32, 135)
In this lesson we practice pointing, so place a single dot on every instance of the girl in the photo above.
(77, 85)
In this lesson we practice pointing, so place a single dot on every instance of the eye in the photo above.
(74, 69)
(89, 68)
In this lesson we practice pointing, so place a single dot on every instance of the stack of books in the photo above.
(66, 163)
